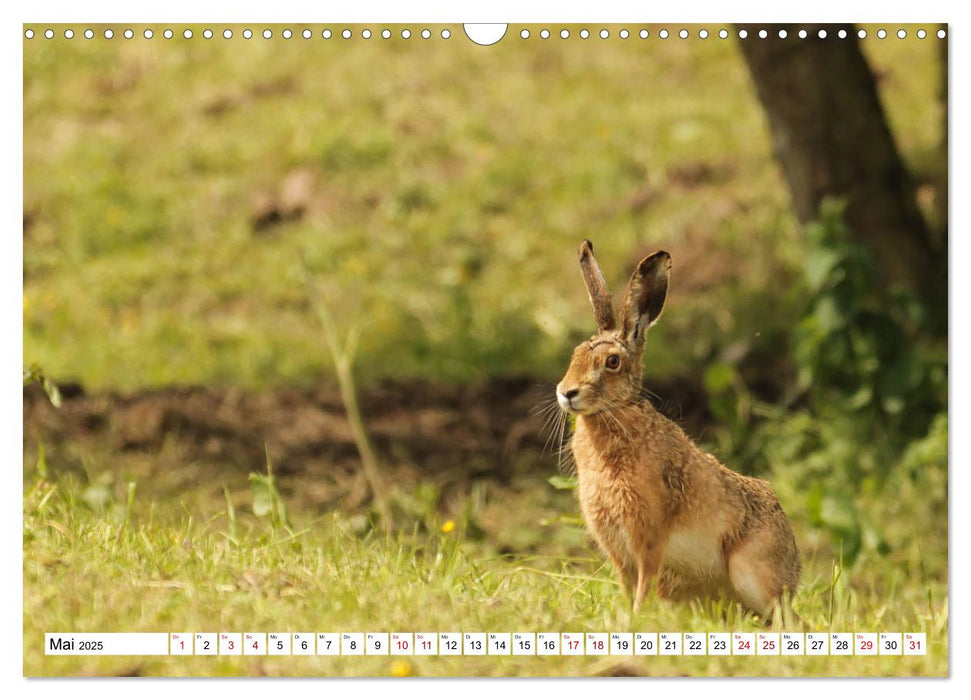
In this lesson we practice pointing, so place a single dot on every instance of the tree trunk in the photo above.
(831, 137)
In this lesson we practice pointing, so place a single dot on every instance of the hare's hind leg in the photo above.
(759, 570)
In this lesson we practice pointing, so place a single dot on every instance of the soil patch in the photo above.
(420, 431)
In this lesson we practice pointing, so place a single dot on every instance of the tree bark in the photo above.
(831, 138)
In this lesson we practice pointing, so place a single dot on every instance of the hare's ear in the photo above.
(603, 306)
(645, 297)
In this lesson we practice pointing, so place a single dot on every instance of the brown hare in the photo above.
(656, 503)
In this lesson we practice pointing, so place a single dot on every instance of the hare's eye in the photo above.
(613, 361)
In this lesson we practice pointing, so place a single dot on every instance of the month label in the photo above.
(106, 643)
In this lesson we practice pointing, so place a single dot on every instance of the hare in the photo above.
(658, 505)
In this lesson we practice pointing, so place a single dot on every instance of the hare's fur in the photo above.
(658, 506)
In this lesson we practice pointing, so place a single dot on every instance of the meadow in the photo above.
(190, 206)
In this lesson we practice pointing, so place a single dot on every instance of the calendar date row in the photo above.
(490, 644)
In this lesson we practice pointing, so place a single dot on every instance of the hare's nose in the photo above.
(571, 393)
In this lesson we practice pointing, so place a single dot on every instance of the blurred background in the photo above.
(231, 246)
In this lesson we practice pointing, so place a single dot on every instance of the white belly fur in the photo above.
(696, 553)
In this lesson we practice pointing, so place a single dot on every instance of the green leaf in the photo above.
(837, 514)
(828, 315)
(33, 373)
(819, 263)
(96, 496)
(719, 378)
(563, 483)
(262, 501)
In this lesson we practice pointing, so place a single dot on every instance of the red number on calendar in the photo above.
(914, 645)
(866, 645)
(573, 643)
(768, 644)
(403, 645)
(181, 645)
(231, 644)
(598, 645)
(426, 645)
(744, 645)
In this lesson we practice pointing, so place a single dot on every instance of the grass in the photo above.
(93, 556)
(452, 185)
(451, 189)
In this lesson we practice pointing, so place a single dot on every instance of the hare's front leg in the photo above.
(649, 554)
(625, 572)
(622, 565)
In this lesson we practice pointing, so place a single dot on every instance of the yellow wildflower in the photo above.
(400, 668)
(448, 526)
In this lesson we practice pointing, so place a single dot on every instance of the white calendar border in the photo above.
(499, 10)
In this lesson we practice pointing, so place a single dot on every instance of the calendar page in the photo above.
(459, 350)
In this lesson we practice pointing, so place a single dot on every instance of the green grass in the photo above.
(96, 561)
(453, 185)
